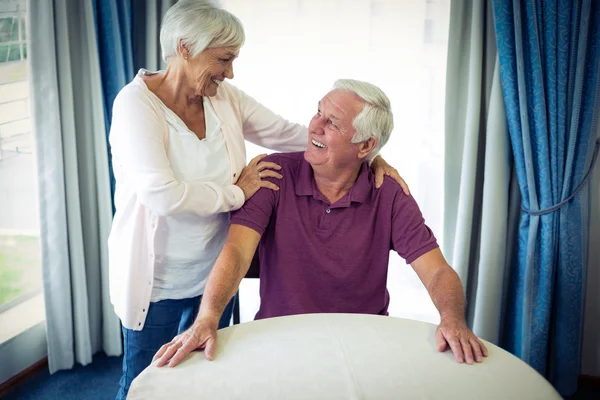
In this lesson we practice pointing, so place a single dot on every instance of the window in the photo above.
(296, 49)
(12, 31)
(21, 304)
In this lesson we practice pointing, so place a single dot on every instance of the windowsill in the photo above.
(21, 317)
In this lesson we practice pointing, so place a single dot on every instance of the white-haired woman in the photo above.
(177, 141)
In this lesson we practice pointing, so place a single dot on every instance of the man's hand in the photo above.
(201, 335)
(464, 344)
(380, 168)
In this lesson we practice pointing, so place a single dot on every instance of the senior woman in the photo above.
(177, 140)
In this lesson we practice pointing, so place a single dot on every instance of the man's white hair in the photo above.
(201, 25)
(375, 119)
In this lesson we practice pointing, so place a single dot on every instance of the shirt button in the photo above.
(328, 211)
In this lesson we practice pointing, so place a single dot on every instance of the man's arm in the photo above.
(230, 268)
(223, 282)
(446, 291)
(442, 284)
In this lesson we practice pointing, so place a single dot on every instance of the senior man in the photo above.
(326, 234)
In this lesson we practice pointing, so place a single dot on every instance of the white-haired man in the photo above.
(327, 233)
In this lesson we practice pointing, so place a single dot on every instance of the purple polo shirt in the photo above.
(317, 257)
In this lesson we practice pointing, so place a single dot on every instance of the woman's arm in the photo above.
(138, 149)
(263, 127)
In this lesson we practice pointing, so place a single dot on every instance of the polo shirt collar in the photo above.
(360, 192)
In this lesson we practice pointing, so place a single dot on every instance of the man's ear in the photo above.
(365, 148)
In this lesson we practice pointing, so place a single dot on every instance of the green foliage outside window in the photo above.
(10, 53)
(9, 29)
(10, 43)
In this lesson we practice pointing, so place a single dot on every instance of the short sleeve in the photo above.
(411, 237)
(257, 211)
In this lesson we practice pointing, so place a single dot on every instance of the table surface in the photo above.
(338, 356)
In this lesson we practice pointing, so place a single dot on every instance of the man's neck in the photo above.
(334, 184)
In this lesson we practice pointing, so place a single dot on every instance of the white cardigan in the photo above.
(146, 187)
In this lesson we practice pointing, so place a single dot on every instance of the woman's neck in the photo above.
(172, 87)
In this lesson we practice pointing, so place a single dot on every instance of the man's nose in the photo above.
(320, 124)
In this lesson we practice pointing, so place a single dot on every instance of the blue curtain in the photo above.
(549, 53)
(114, 33)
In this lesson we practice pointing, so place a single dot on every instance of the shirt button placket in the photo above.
(326, 219)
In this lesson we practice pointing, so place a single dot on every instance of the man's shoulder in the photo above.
(390, 194)
(391, 188)
(290, 166)
(287, 159)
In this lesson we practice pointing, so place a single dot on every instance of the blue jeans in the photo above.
(165, 320)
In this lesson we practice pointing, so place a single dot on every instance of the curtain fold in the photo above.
(549, 56)
(146, 31)
(477, 166)
(74, 188)
(113, 27)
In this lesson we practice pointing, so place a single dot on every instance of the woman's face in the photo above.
(206, 72)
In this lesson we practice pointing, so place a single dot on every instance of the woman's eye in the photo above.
(225, 60)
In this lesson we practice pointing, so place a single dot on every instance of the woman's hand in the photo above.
(380, 168)
(251, 177)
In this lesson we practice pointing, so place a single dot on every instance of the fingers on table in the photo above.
(477, 349)
(183, 351)
(209, 350)
(161, 351)
(440, 341)
(168, 353)
(484, 349)
(467, 350)
(456, 347)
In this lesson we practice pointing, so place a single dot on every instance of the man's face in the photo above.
(330, 131)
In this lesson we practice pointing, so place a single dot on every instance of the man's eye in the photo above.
(225, 59)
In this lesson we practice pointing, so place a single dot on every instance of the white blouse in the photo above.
(187, 246)
(151, 190)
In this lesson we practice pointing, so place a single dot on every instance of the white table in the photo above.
(338, 356)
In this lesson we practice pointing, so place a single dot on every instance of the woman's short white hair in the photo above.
(375, 119)
(201, 25)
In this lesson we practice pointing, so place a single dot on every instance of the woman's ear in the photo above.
(365, 148)
(183, 49)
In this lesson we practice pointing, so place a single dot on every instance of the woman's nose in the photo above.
(229, 72)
